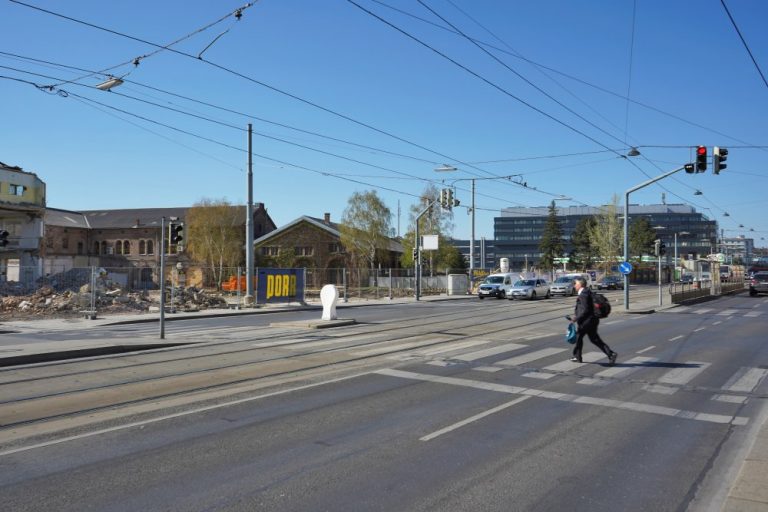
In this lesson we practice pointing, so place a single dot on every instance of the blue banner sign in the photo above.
(280, 285)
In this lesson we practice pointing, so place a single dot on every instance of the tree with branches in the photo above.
(216, 235)
(365, 226)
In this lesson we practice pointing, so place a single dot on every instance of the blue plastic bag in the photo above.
(570, 334)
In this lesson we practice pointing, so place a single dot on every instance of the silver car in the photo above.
(563, 286)
(758, 283)
(529, 289)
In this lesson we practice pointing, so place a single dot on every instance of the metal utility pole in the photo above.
(626, 230)
(162, 278)
(249, 224)
(472, 244)
(417, 251)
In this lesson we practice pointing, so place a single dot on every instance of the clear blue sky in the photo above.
(662, 76)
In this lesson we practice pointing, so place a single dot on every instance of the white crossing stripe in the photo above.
(479, 354)
(753, 314)
(677, 377)
(489, 369)
(451, 347)
(565, 366)
(617, 371)
(743, 381)
(676, 337)
(646, 349)
(566, 397)
(393, 348)
(702, 311)
(530, 356)
(728, 312)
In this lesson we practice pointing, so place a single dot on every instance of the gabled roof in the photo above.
(65, 218)
(130, 218)
(332, 228)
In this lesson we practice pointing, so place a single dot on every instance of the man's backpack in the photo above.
(602, 306)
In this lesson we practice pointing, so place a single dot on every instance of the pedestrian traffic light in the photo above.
(3, 238)
(176, 233)
(415, 253)
(719, 156)
(662, 248)
(701, 159)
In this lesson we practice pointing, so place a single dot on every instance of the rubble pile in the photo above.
(48, 302)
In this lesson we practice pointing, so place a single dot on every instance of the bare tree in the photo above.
(216, 235)
(365, 226)
(607, 235)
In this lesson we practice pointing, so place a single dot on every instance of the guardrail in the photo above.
(681, 292)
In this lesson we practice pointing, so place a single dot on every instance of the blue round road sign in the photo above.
(625, 267)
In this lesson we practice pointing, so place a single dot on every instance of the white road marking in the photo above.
(717, 323)
(531, 356)
(728, 312)
(538, 336)
(565, 366)
(753, 314)
(471, 419)
(676, 338)
(653, 347)
(566, 397)
(489, 369)
(451, 347)
(677, 377)
(702, 311)
(616, 371)
(392, 348)
(699, 329)
(743, 381)
(612, 322)
(178, 415)
(479, 354)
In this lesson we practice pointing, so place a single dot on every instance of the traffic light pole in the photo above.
(626, 231)
(417, 251)
(162, 278)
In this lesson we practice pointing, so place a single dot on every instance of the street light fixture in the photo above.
(111, 82)
(633, 152)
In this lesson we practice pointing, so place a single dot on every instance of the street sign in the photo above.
(625, 267)
(562, 260)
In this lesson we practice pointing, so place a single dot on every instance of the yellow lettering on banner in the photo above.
(286, 285)
(293, 285)
(270, 286)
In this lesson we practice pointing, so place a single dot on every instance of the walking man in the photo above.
(587, 323)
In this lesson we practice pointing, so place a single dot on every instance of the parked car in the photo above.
(687, 278)
(496, 285)
(530, 289)
(758, 283)
(611, 283)
(563, 285)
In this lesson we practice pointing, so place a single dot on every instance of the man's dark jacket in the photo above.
(585, 309)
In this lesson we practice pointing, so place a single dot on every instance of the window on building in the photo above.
(270, 250)
(150, 247)
(119, 247)
(304, 250)
(65, 243)
(96, 247)
(103, 247)
(334, 248)
(80, 248)
(16, 190)
(126, 247)
(49, 242)
(142, 247)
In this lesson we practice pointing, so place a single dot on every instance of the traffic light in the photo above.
(449, 199)
(719, 156)
(701, 159)
(176, 233)
(690, 168)
(415, 254)
(662, 248)
(656, 247)
(3, 238)
(443, 195)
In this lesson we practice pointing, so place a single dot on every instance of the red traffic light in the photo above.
(701, 150)
(701, 158)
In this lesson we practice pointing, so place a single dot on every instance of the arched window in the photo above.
(126, 247)
(119, 247)
(95, 247)
(104, 247)
(142, 247)
(150, 247)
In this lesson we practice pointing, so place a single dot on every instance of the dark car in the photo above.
(611, 283)
(758, 283)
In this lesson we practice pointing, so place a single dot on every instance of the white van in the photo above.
(497, 285)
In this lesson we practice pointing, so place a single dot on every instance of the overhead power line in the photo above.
(744, 42)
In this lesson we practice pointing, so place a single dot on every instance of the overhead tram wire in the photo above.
(520, 76)
(263, 84)
(744, 42)
(231, 111)
(571, 77)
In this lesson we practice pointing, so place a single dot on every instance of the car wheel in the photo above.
(547, 295)
(533, 295)
(502, 294)
(481, 297)
(753, 293)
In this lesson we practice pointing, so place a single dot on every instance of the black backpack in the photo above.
(602, 306)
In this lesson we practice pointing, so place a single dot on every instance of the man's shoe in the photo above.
(612, 357)
(576, 360)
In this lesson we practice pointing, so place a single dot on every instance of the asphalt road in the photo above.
(456, 405)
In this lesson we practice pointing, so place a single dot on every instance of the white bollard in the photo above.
(329, 296)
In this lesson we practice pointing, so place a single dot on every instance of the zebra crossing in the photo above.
(523, 357)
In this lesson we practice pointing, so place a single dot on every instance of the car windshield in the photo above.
(526, 282)
(563, 280)
(495, 280)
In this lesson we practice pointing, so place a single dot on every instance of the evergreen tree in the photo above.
(641, 237)
(551, 245)
(583, 255)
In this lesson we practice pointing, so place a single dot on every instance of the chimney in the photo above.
(327, 218)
